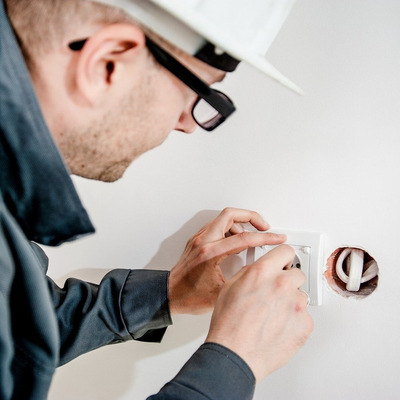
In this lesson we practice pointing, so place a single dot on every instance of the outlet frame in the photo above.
(308, 247)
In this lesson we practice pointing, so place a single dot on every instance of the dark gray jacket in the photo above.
(43, 326)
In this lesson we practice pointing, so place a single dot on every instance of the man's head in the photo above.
(111, 101)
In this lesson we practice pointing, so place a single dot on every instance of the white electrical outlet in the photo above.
(308, 247)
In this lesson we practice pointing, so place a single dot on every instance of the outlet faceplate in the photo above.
(308, 247)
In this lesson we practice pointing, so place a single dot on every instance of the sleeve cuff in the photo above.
(144, 305)
(214, 373)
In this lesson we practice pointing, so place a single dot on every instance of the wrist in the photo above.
(173, 299)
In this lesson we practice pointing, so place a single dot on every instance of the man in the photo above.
(95, 96)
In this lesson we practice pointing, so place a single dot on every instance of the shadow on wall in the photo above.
(109, 373)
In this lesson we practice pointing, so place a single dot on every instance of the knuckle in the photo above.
(288, 249)
(257, 270)
(273, 237)
(197, 241)
(282, 283)
(204, 253)
(284, 251)
(302, 277)
(300, 305)
(309, 325)
(299, 275)
(254, 275)
(227, 211)
(244, 238)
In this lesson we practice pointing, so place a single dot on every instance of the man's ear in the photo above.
(106, 60)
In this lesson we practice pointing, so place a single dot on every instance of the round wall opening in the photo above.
(352, 272)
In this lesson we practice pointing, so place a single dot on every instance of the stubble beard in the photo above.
(104, 148)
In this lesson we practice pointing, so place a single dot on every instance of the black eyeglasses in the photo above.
(212, 107)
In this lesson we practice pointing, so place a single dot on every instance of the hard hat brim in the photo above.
(220, 39)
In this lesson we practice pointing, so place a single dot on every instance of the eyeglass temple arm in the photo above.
(191, 80)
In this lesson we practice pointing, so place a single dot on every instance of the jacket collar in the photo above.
(34, 181)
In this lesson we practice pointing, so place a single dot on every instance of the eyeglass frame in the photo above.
(216, 99)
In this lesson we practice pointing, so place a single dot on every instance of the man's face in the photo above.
(147, 113)
(142, 104)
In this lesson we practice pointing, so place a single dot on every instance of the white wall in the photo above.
(327, 162)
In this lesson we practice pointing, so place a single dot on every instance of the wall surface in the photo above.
(326, 162)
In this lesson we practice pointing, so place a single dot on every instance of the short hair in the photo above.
(42, 25)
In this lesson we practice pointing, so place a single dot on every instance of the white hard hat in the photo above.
(219, 32)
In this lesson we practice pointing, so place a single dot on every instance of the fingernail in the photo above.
(282, 236)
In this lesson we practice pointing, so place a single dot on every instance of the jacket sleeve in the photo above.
(213, 373)
(127, 304)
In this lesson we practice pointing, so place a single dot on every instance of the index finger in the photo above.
(280, 257)
(229, 216)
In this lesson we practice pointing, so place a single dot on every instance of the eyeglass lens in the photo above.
(206, 116)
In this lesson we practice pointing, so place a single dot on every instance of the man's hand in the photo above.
(196, 280)
(260, 313)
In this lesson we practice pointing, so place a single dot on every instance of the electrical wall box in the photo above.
(308, 247)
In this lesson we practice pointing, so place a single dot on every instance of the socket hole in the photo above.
(339, 286)
(296, 262)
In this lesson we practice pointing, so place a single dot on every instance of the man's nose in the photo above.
(186, 122)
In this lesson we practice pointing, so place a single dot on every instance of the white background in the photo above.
(326, 162)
